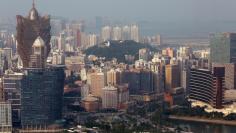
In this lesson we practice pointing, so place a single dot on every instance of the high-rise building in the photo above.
(8, 56)
(134, 33)
(172, 77)
(41, 95)
(92, 40)
(97, 83)
(230, 74)
(5, 118)
(110, 97)
(126, 33)
(28, 29)
(225, 44)
(207, 86)
(78, 38)
(123, 96)
(62, 42)
(12, 93)
(41, 92)
(132, 78)
(106, 33)
(117, 33)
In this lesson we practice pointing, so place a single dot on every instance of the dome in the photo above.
(90, 98)
(33, 14)
(38, 42)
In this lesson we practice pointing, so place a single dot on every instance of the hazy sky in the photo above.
(160, 10)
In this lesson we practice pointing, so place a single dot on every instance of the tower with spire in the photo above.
(30, 28)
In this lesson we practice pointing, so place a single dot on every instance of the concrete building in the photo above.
(230, 74)
(126, 33)
(5, 117)
(134, 33)
(172, 77)
(109, 97)
(12, 82)
(123, 96)
(106, 33)
(116, 33)
(98, 82)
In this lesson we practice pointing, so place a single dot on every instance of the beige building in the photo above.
(110, 97)
(97, 81)
(113, 77)
(172, 77)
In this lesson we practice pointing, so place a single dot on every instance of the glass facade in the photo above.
(223, 48)
(41, 96)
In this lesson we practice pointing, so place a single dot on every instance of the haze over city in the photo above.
(175, 18)
(117, 66)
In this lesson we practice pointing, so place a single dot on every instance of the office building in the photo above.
(225, 44)
(5, 117)
(41, 95)
(207, 86)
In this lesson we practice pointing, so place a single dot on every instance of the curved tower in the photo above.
(28, 29)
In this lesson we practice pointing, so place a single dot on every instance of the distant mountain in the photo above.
(117, 49)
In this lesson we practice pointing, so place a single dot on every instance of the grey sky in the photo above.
(160, 10)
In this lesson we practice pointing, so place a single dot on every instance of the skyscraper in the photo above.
(41, 95)
(28, 29)
(134, 33)
(42, 85)
(223, 48)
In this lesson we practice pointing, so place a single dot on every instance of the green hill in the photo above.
(117, 49)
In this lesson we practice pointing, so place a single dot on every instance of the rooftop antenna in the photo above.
(33, 4)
